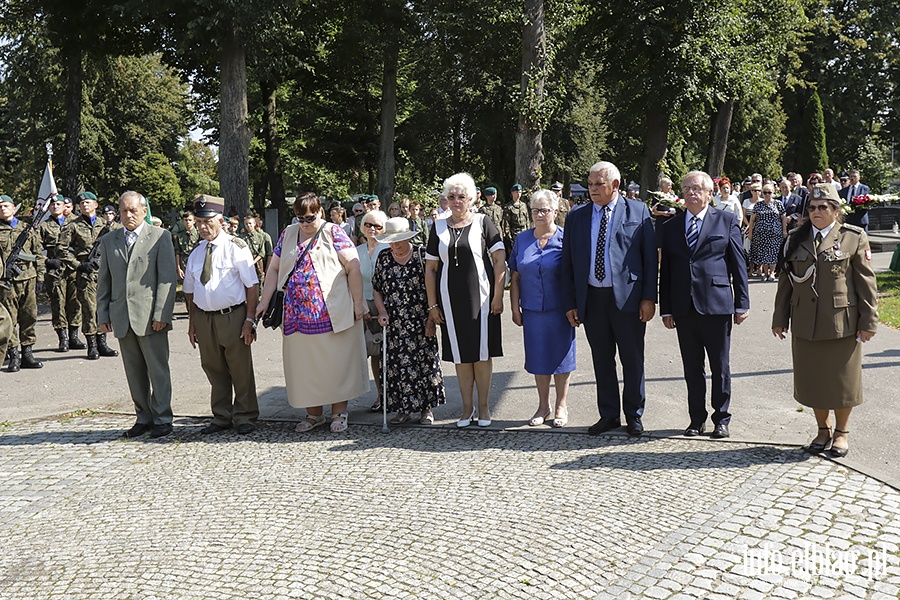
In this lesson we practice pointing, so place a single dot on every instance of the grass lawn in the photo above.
(889, 298)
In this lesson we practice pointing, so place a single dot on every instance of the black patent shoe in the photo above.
(819, 448)
(839, 452)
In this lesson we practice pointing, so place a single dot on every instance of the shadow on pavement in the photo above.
(712, 458)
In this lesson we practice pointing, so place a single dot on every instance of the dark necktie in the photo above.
(600, 260)
(206, 273)
(819, 239)
(693, 233)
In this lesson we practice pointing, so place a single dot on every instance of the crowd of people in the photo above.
(369, 292)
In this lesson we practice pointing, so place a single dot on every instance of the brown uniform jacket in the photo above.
(830, 292)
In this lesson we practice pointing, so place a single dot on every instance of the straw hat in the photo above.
(396, 229)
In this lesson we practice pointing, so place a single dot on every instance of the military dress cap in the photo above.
(557, 186)
(65, 199)
(109, 208)
(477, 189)
(490, 191)
(208, 206)
(372, 198)
(825, 191)
(5, 198)
(87, 196)
(516, 188)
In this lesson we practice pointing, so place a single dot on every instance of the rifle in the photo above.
(12, 270)
(91, 259)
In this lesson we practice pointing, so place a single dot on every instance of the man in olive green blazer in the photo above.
(135, 300)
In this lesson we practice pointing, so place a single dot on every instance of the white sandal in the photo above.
(427, 418)
(338, 423)
(310, 423)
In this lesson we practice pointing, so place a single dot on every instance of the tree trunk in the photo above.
(655, 146)
(718, 138)
(234, 133)
(387, 163)
(272, 152)
(72, 162)
(457, 143)
(529, 133)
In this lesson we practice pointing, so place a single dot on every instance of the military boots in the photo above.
(63, 340)
(103, 348)
(74, 342)
(28, 360)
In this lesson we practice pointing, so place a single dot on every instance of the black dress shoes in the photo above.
(604, 425)
(159, 431)
(695, 429)
(721, 431)
(136, 430)
(634, 427)
(245, 428)
(212, 428)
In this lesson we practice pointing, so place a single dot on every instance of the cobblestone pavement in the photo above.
(419, 513)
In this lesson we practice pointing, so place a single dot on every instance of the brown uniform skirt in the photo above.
(827, 373)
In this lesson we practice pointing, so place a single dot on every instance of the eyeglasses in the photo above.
(768, 193)
(693, 188)
(308, 219)
(541, 211)
(373, 226)
(814, 207)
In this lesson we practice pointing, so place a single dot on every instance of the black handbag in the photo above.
(274, 315)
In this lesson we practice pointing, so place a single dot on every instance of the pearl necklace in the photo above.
(402, 257)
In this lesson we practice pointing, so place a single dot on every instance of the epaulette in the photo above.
(853, 228)
(239, 242)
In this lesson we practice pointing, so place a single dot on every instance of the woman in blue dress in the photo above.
(537, 307)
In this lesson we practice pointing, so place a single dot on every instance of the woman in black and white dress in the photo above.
(465, 275)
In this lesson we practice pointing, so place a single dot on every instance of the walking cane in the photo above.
(384, 423)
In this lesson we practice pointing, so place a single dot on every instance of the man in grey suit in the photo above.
(135, 300)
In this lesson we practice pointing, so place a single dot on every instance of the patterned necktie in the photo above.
(130, 238)
(600, 260)
(819, 239)
(693, 233)
(206, 273)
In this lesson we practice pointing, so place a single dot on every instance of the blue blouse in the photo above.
(540, 271)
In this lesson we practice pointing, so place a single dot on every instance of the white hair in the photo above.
(608, 170)
(131, 194)
(547, 195)
(378, 217)
(702, 176)
(461, 181)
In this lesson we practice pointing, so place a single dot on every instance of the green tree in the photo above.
(155, 178)
(813, 149)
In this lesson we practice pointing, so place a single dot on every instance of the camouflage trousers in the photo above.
(86, 289)
(64, 305)
(6, 329)
(21, 302)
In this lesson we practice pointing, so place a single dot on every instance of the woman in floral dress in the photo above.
(414, 380)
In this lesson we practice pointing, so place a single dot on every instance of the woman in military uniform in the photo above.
(827, 295)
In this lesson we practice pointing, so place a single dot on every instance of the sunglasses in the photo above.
(768, 193)
(308, 219)
(813, 208)
(755, 191)
(373, 226)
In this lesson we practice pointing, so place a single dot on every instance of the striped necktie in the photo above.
(693, 233)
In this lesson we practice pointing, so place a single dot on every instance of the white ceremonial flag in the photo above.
(48, 190)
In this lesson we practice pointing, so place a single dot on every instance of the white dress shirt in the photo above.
(232, 273)
(596, 217)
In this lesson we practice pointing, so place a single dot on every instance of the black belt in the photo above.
(224, 311)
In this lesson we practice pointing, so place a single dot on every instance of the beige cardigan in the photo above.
(331, 274)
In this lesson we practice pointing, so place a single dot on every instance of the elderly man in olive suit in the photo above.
(135, 299)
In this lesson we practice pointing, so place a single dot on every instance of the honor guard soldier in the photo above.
(222, 290)
(491, 208)
(59, 281)
(19, 293)
(185, 241)
(6, 324)
(111, 216)
(260, 246)
(516, 217)
(85, 258)
(557, 188)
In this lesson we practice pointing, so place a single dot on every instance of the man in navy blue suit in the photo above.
(702, 288)
(609, 262)
(793, 203)
(859, 218)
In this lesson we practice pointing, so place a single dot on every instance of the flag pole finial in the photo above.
(49, 150)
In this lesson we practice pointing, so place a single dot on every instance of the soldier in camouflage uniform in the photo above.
(111, 216)
(59, 282)
(86, 230)
(185, 240)
(20, 297)
(260, 245)
(6, 324)
(492, 209)
(516, 218)
(564, 207)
